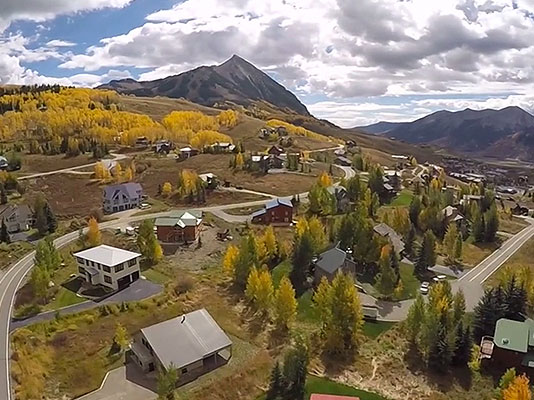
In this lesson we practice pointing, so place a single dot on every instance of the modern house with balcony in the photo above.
(108, 266)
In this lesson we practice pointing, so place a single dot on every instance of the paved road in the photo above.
(471, 283)
(116, 157)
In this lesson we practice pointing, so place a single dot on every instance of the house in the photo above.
(17, 217)
(343, 161)
(340, 152)
(142, 141)
(275, 150)
(520, 210)
(223, 147)
(4, 164)
(260, 162)
(451, 214)
(179, 227)
(163, 146)
(278, 211)
(316, 396)
(392, 178)
(394, 238)
(121, 197)
(512, 344)
(350, 143)
(210, 180)
(332, 261)
(341, 196)
(469, 199)
(192, 343)
(277, 161)
(264, 133)
(188, 152)
(108, 266)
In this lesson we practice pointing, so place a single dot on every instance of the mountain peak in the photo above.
(236, 80)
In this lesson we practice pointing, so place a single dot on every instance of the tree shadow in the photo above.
(336, 364)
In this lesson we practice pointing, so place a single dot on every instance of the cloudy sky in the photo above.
(352, 61)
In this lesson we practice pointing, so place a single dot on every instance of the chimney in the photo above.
(183, 319)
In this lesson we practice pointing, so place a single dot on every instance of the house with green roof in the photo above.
(179, 227)
(512, 344)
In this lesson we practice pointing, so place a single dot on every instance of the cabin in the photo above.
(17, 217)
(450, 215)
(179, 227)
(210, 180)
(520, 210)
(342, 161)
(394, 238)
(188, 152)
(142, 141)
(278, 211)
(163, 146)
(121, 197)
(4, 164)
(192, 343)
(341, 196)
(275, 150)
(223, 147)
(331, 262)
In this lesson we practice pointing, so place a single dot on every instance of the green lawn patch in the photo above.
(326, 386)
(64, 297)
(306, 312)
(373, 329)
(281, 270)
(155, 276)
(403, 199)
(409, 281)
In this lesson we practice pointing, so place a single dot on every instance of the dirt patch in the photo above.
(68, 195)
(35, 163)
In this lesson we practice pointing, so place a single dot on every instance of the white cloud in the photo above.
(60, 43)
(42, 10)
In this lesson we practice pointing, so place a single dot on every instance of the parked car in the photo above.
(145, 206)
(439, 278)
(424, 287)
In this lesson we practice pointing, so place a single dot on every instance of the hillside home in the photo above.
(188, 152)
(275, 150)
(392, 178)
(210, 180)
(520, 210)
(331, 262)
(394, 238)
(163, 146)
(4, 164)
(222, 147)
(469, 199)
(17, 217)
(343, 161)
(142, 141)
(108, 266)
(339, 193)
(278, 211)
(121, 197)
(179, 227)
(451, 214)
(192, 343)
(512, 345)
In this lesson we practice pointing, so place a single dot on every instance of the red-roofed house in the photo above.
(331, 397)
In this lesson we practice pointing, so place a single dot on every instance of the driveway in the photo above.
(139, 290)
(124, 383)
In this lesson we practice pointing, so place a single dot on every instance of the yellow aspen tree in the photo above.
(99, 171)
(94, 237)
(229, 260)
(252, 285)
(166, 189)
(239, 161)
(117, 172)
(325, 180)
(285, 304)
(518, 389)
(106, 175)
(301, 227)
(265, 290)
(269, 240)
(128, 174)
(317, 233)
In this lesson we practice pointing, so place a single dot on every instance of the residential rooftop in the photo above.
(107, 255)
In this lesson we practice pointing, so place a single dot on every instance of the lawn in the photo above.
(403, 199)
(10, 253)
(281, 270)
(156, 276)
(513, 225)
(409, 281)
(373, 329)
(325, 386)
(64, 297)
(474, 253)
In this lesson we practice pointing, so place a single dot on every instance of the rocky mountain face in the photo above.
(236, 80)
(496, 133)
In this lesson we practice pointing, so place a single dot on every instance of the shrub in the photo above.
(184, 285)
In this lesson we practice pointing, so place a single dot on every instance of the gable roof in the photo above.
(107, 255)
(23, 211)
(130, 189)
(185, 339)
(181, 219)
(385, 230)
(278, 202)
(331, 260)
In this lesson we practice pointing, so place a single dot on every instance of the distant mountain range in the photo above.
(236, 80)
(506, 133)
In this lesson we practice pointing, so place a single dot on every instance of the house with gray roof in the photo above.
(277, 211)
(121, 197)
(108, 266)
(4, 164)
(179, 227)
(17, 217)
(192, 343)
(394, 238)
(331, 262)
(341, 197)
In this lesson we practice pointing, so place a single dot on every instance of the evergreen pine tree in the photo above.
(491, 224)
(4, 234)
(3, 195)
(302, 256)
(464, 343)
(51, 220)
(515, 299)
(489, 309)
(427, 253)
(415, 209)
(276, 385)
(409, 241)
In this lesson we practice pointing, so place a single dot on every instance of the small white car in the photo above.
(145, 206)
(424, 287)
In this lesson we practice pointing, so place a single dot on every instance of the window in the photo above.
(81, 270)
(106, 268)
(119, 268)
(132, 262)
(107, 279)
(184, 370)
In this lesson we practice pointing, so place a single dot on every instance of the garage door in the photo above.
(123, 282)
